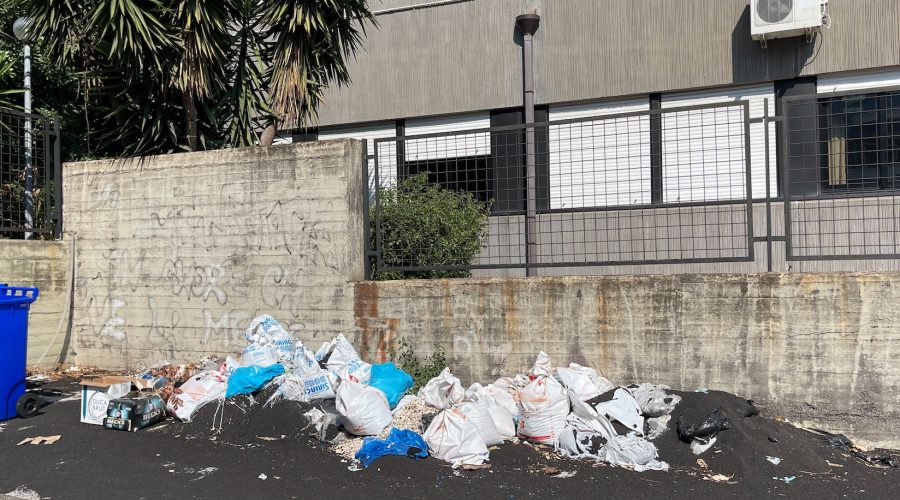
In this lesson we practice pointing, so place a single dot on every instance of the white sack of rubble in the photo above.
(653, 399)
(543, 408)
(343, 359)
(585, 382)
(442, 391)
(503, 419)
(454, 438)
(478, 412)
(259, 354)
(364, 410)
(265, 330)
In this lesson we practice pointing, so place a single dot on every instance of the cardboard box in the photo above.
(134, 411)
(96, 393)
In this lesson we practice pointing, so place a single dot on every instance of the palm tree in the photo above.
(166, 75)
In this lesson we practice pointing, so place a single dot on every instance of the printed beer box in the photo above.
(134, 411)
(96, 394)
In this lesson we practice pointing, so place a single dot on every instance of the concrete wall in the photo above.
(45, 265)
(818, 349)
(177, 253)
(467, 56)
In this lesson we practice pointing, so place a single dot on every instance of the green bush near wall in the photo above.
(425, 225)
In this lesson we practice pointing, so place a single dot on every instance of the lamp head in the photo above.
(22, 29)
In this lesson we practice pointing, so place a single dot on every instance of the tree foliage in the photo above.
(426, 225)
(164, 75)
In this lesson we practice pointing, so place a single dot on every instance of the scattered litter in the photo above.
(23, 493)
(774, 460)
(550, 471)
(698, 446)
(702, 463)
(719, 478)
(785, 479)
(566, 475)
(398, 442)
(40, 440)
(472, 466)
(263, 477)
(834, 465)
(354, 467)
(704, 390)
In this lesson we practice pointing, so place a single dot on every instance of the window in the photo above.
(469, 175)
(859, 142)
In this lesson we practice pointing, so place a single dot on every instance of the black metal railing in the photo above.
(650, 187)
(30, 173)
(842, 181)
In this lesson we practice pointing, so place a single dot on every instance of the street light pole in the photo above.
(22, 31)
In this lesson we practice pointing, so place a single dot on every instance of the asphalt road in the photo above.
(167, 462)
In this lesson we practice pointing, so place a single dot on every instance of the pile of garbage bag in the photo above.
(573, 408)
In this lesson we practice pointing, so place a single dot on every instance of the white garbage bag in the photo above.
(543, 408)
(590, 420)
(265, 330)
(478, 413)
(580, 438)
(342, 358)
(585, 382)
(442, 391)
(632, 451)
(199, 390)
(259, 354)
(364, 410)
(503, 419)
(541, 365)
(624, 409)
(307, 382)
(452, 437)
(653, 400)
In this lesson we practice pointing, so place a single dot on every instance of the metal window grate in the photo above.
(15, 159)
(661, 186)
(842, 181)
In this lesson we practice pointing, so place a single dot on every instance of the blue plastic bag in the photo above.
(392, 381)
(247, 379)
(398, 442)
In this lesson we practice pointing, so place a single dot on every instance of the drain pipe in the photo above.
(528, 25)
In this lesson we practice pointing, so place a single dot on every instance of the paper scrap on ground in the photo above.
(40, 440)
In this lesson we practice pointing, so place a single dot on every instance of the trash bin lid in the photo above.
(17, 294)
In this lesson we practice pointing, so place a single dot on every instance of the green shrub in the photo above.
(421, 371)
(426, 225)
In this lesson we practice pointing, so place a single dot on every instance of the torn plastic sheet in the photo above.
(622, 407)
(653, 399)
(632, 451)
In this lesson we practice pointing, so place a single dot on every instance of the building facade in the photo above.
(656, 111)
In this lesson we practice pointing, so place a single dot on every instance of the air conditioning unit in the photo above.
(786, 18)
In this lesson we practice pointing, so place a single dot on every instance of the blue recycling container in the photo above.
(14, 305)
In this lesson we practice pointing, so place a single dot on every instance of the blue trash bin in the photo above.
(14, 305)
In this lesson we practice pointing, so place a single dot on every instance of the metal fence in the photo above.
(30, 189)
(650, 187)
(842, 175)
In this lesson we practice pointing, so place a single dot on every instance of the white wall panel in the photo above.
(858, 81)
(451, 146)
(387, 151)
(703, 156)
(598, 163)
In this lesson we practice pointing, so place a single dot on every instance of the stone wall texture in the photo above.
(818, 349)
(177, 253)
(44, 265)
